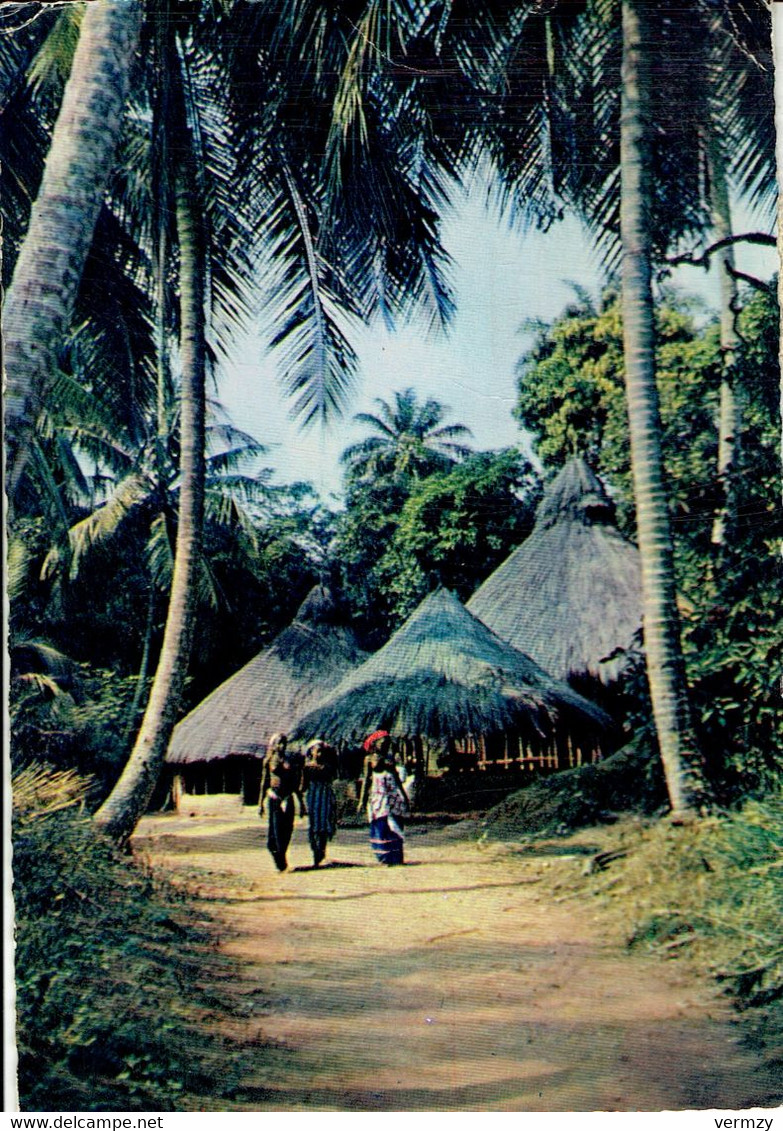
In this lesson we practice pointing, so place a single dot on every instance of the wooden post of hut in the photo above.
(177, 791)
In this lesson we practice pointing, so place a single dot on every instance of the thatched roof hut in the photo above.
(273, 690)
(569, 596)
(445, 676)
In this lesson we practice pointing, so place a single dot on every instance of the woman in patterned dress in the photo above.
(385, 799)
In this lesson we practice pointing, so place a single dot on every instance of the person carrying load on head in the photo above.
(385, 799)
(320, 770)
(281, 782)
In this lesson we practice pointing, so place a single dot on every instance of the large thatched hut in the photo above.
(444, 676)
(570, 596)
(219, 746)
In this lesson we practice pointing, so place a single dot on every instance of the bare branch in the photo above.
(703, 259)
(751, 280)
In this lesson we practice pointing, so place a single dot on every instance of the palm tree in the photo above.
(119, 814)
(656, 176)
(43, 290)
(410, 440)
(318, 361)
(729, 419)
(665, 665)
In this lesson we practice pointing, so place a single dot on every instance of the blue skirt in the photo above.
(386, 844)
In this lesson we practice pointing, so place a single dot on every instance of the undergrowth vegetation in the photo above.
(710, 890)
(110, 961)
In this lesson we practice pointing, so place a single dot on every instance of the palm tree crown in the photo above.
(410, 439)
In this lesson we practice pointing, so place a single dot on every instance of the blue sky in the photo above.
(502, 278)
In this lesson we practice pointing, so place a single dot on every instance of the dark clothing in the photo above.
(320, 770)
(322, 810)
(281, 827)
(281, 780)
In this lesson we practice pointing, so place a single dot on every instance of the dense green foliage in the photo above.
(74, 695)
(457, 526)
(418, 515)
(571, 396)
(110, 1016)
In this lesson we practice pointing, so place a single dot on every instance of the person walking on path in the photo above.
(320, 770)
(385, 799)
(281, 781)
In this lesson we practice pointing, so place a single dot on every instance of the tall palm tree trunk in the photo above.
(665, 666)
(120, 813)
(144, 667)
(729, 411)
(777, 54)
(46, 279)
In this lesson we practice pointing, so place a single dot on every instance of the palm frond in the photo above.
(53, 661)
(19, 564)
(39, 469)
(38, 791)
(317, 362)
(160, 553)
(52, 63)
(227, 433)
(101, 525)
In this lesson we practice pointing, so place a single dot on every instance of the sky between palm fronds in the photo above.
(502, 280)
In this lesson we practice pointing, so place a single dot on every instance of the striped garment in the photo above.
(322, 808)
(322, 811)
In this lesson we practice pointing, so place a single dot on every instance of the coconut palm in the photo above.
(663, 650)
(410, 440)
(318, 360)
(661, 129)
(51, 260)
(665, 665)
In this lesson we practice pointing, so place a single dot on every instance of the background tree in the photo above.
(456, 526)
(410, 441)
(571, 394)
(421, 508)
(660, 200)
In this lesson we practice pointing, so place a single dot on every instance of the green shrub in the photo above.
(107, 961)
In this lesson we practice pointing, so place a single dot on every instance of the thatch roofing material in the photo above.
(570, 596)
(273, 690)
(444, 674)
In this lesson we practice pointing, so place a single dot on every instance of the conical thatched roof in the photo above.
(444, 674)
(570, 596)
(273, 690)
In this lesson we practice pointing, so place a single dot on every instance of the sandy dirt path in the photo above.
(458, 982)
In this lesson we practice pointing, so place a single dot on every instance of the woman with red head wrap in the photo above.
(383, 795)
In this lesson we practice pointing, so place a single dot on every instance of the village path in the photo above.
(458, 982)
